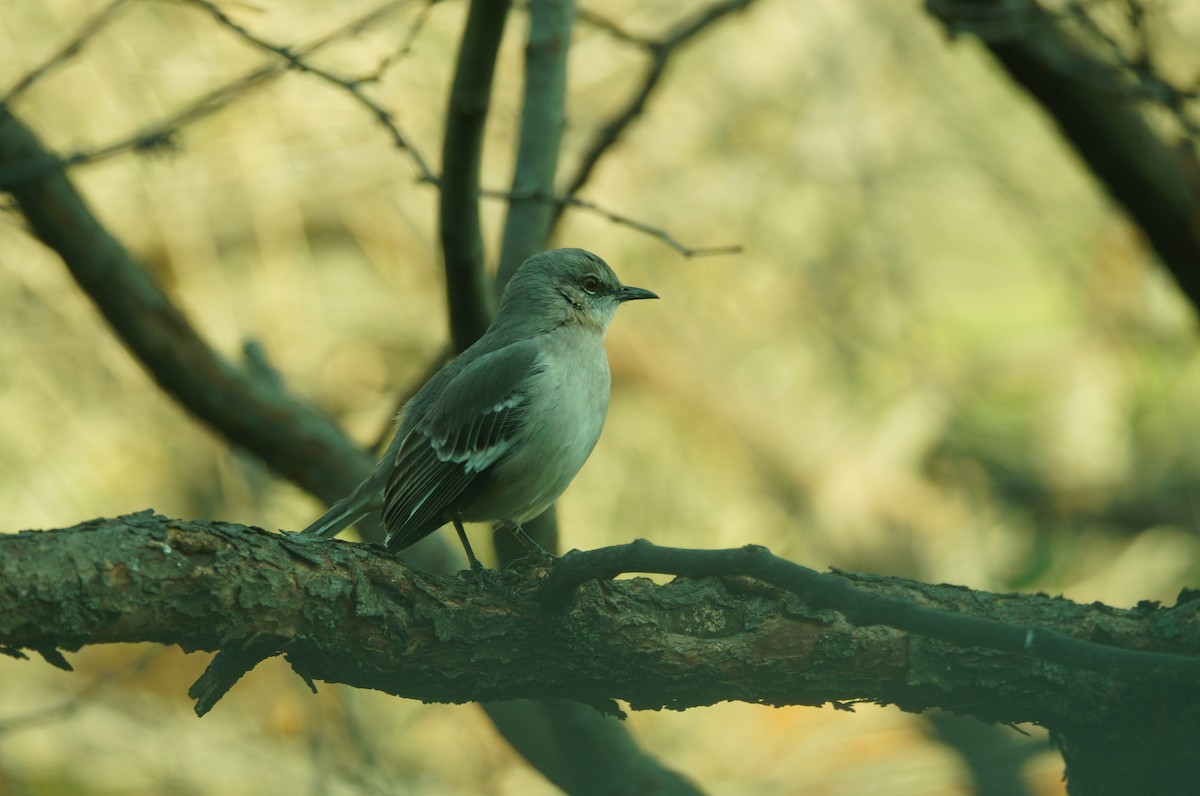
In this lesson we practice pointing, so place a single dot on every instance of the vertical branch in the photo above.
(529, 212)
(467, 295)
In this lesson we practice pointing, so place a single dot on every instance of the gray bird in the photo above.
(499, 432)
(496, 435)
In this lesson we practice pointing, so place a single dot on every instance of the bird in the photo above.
(500, 431)
(496, 435)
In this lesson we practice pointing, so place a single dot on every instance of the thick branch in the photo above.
(527, 225)
(1102, 120)
(292, 438)
(467, 292)
(348, 613)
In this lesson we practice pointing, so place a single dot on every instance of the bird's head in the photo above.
(565, 286)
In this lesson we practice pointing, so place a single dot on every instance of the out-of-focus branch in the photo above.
(93, 25)
(582, 750)
(296, 441)
(162, 134)
(527, 225)
(353, 86)
(575, 747)
(660, 51)
(616, 218)
(468, 294)
(1099, 114)
(641, 226)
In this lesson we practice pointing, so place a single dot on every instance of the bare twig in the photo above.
(406, 44)
(660, 51)
(613, 29)
(616, 218)
(295, 59)
(87, 31)
(657, 232)
(468, 294)
(162, 134)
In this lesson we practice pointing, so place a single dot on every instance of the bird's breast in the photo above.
(568, 401)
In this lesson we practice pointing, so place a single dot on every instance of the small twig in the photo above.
(296, 60)
(87, 31)
(162, 135)
(613, 29)
(860, 607)
(661, 51)
(657, 232)
(616, 218)
(406, 44)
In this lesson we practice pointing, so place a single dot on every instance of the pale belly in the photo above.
(554, 445)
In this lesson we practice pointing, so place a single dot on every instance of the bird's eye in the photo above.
(590, 283)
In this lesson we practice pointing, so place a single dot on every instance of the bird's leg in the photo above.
(534, 549)
(462, 537)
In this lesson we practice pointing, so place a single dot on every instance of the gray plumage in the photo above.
(499, 433)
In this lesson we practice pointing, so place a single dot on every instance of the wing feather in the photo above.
(449, 454)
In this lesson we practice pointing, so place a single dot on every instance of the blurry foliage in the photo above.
(943, 353)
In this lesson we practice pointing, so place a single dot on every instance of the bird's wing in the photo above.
(448, 455)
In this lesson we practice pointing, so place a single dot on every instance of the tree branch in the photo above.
(527, 225)
(1089, 100)
(352, 86)
(162, 134)
(661, 52)
(468, 294)
(253, 412)
(94, 24)
(859, 606)
(350, 613)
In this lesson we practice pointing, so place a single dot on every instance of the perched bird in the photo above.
(499, 432)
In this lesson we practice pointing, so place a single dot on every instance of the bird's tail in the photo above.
(367, 497)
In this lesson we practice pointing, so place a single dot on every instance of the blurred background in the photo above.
(942, 354)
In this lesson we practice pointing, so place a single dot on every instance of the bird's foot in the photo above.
(535, 554)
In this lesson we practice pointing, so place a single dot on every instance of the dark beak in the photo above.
(627, 293)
